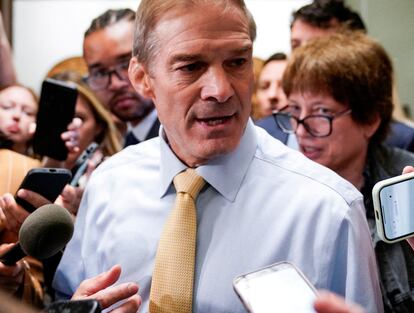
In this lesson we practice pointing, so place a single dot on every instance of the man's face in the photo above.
(270, 95)
(201, 81)
(302, 32)
(109, 49)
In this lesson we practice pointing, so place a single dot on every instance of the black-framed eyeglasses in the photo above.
(100, 79)
(317, 125)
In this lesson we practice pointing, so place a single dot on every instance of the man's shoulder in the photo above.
(298, 170)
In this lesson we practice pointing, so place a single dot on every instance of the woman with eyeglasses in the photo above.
(339, 91)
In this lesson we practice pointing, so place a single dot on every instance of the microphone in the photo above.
(43, 234)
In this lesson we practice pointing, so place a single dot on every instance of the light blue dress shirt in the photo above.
(264, 203)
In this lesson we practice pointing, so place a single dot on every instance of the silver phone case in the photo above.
(379, 218)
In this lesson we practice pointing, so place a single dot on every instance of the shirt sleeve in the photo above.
(355, 271)
(70, 272)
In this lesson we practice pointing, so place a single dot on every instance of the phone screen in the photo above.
(280, 288)
(397, 206)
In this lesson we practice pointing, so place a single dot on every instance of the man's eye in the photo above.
(237, 62)
(192, 67)
(124, 65)
(99, 73)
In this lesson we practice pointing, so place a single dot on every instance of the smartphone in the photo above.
(74, 306)
(81, 163)
(48, 182)
(56, 111)
(280, 288)
(393, 200)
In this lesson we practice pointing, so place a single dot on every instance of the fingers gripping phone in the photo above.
(280, 288)
(56, 111)
(393, 200)
(48, 182)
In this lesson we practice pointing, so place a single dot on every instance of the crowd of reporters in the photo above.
(333, 99)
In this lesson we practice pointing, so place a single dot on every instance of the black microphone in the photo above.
(43, 234)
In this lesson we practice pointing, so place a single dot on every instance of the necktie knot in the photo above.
(189, 182)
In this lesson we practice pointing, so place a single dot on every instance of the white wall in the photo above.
(48, 31)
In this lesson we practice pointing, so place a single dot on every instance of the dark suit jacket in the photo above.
(269, 124)
(401, 136)
(154, 130)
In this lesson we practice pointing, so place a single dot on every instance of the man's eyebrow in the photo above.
(185, 58)
(118, 58)
(195, 57)
(246, 48)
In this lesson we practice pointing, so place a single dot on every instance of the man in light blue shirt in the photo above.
(262, 203)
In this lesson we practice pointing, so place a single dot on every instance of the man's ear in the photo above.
(140, 79)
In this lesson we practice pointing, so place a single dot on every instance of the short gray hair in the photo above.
(150, 12)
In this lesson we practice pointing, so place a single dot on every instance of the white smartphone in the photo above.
(280, 288)
(393, 200)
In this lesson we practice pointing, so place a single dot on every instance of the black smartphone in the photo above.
(56, 111)
(48, 182)
(82, 163)
(74, 306)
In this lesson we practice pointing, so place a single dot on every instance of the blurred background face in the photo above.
(110, 49)
(345, 148)
(270, 95)
(302, 32)
(18, 110)
(87, 132)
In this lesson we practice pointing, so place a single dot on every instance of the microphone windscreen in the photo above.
(46, 231)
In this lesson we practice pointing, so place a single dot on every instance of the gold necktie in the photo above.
(173, 276)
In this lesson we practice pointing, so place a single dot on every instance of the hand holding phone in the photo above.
(48, 182)
(393, 200)
(280, 288)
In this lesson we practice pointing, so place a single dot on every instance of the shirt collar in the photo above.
(224, 173)
(142, 129)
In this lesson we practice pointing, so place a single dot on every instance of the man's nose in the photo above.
(217, 85)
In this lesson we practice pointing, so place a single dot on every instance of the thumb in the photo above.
(408, 169)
